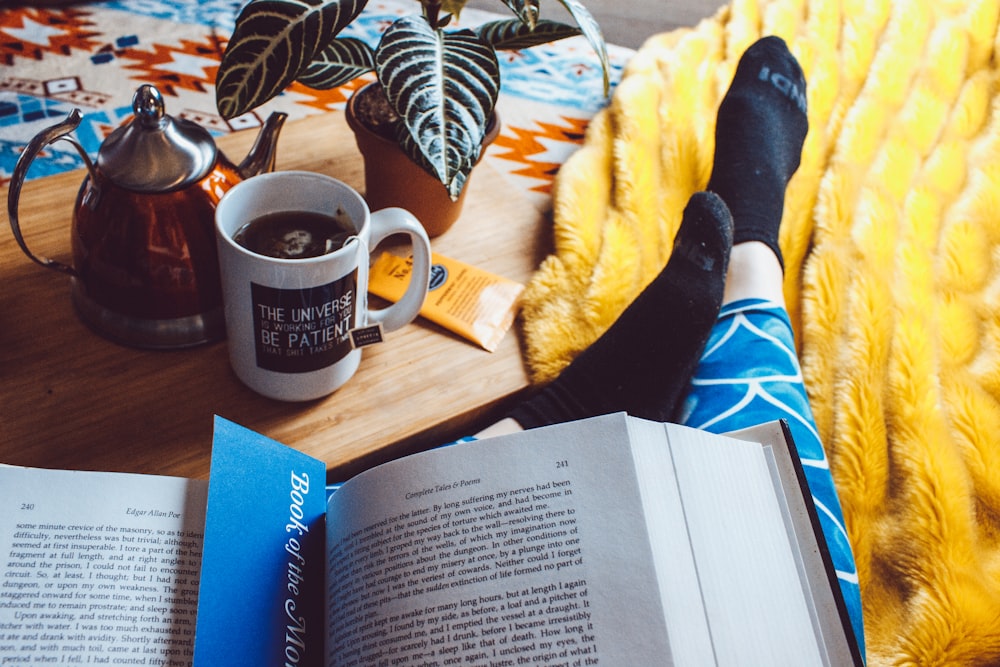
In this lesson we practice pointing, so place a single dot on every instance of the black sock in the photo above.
(644, 362)
(759, 133)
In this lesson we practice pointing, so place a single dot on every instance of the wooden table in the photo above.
(69, 398)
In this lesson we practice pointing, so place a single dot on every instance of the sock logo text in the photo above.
(784, 86)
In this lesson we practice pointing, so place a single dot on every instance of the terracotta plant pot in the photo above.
(393, 179)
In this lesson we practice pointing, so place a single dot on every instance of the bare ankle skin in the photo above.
(754, 273)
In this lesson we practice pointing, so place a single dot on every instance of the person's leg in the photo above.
(643, 363)
(749, 372)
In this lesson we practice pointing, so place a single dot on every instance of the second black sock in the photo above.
(759, 133)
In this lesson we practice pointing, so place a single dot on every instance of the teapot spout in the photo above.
(262, 155)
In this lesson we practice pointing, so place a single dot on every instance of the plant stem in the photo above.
(432, 9)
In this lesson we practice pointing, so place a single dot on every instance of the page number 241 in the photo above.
(562, 464)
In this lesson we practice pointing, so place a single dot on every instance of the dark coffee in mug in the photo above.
(295, 234)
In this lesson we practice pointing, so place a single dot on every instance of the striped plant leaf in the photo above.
(342, 61)
(511, 34)
(273, 42)
(444, 86)
(525, 10)
(592, 31)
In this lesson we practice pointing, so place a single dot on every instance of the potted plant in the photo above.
(440, 84)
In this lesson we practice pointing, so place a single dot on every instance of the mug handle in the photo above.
(385, 223)
(31, 151)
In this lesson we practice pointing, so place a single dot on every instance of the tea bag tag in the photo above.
(365, 336)
(370, 334)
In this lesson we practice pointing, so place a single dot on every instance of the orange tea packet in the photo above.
(465, 299)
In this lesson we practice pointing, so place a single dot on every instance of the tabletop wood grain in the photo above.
(69, 398)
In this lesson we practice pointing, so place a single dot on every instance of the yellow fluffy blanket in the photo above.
(891, 240)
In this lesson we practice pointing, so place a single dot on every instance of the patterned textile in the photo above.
(748, 375)
(892, 255)
(94, 55)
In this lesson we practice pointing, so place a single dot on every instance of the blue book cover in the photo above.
(261, 593)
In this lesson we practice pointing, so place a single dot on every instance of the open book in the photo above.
(612, 540)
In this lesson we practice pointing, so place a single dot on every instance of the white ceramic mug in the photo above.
(289, 321)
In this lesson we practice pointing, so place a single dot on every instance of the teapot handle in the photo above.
(31, 151)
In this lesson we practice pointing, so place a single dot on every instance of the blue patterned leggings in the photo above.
(749, 374)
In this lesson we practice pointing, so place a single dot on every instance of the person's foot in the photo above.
(644, 362)
(761, 126)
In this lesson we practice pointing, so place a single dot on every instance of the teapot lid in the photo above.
(155, 152)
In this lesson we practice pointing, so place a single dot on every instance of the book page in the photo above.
(746, 563)
(526, 549)
(99, 568)
(683, 604)
(830, 615)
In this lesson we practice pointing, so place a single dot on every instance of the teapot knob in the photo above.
(147, 105)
